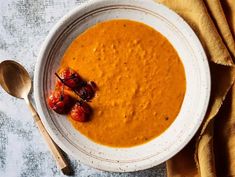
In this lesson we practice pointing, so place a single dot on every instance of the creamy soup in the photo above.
(140, 78)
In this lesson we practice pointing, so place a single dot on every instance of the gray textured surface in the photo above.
(24, 25)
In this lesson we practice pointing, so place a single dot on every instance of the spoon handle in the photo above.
(55, 150)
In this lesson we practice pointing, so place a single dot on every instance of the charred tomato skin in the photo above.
(59, 102)
(86, 92)
(81, 112)
(71, 78)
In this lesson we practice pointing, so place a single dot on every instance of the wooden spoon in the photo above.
(15, 80)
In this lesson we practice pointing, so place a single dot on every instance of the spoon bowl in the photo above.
(14, 79)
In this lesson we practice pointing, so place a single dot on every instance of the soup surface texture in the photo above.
(140, 78)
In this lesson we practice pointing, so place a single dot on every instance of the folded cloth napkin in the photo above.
(212, 151)
(224, 139)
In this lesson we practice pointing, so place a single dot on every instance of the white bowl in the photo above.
(194, 105)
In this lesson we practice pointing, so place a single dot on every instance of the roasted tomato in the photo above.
(59, 85)
(81, 112)
(70, 78)
(87, 91)
(60, 102)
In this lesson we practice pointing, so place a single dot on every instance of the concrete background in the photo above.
(24, 24)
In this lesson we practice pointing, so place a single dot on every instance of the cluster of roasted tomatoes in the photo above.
(69, 81)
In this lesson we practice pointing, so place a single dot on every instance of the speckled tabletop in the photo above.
(24, 24)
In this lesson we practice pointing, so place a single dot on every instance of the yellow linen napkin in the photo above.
(208, 20)
(225, 121)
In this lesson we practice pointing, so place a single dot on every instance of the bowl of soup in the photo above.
(152, 77)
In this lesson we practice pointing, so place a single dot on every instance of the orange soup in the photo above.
(140, 78)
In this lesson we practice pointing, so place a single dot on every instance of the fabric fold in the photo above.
(219, 19)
